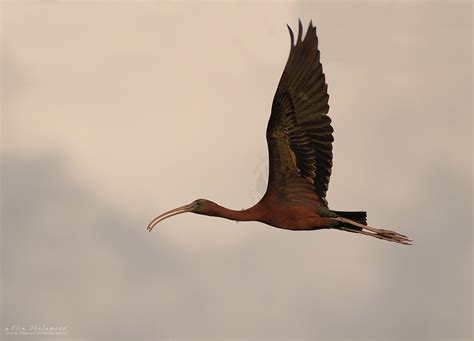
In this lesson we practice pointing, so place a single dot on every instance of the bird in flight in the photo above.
(299, 138)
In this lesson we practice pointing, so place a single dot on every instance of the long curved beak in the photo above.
(170, 213)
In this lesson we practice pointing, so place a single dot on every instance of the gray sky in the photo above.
(113, 112)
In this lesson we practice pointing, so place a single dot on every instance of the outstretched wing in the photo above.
(299, 132)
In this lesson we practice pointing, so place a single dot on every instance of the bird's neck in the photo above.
(242, 215)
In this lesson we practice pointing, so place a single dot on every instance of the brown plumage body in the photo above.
(299, 138)
(271, 211)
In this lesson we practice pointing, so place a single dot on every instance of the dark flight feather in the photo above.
(299, 132)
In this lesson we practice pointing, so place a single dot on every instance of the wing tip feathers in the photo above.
(299, 39)
(300, 31)
(292, 37)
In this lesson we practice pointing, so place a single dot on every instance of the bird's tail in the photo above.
(358, 216)
(352, 225)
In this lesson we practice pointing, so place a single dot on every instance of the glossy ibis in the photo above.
(299, 137)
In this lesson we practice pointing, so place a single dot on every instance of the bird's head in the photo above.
(199, 206)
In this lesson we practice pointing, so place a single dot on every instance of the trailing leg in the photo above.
(353, 226)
